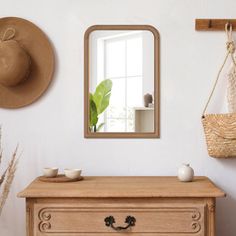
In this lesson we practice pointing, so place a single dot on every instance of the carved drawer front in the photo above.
(73, 220)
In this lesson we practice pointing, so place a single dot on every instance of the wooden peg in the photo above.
(209, 24)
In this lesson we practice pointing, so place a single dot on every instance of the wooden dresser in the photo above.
(109, 206)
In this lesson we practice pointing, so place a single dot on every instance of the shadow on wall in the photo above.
(226, 207)
(226, 215)
(229, 163)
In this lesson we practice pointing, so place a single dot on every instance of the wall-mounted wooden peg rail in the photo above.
(213, 24)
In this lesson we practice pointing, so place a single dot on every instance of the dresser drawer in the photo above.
(74, 220)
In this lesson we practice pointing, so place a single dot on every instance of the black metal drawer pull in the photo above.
(110, 221)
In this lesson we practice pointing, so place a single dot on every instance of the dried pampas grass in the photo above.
(7, 177)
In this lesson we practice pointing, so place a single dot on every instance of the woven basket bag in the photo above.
(220, 129)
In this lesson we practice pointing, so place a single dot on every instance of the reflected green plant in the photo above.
(98, 102)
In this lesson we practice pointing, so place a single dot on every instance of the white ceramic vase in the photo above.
(185, 173)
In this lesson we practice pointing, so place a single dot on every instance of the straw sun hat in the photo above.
(26, 62)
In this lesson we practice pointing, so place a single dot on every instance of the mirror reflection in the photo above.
(121, 81)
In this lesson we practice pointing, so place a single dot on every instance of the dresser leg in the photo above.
(211, 216)
(29, 218)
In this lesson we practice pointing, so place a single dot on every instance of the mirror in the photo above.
(122, 94)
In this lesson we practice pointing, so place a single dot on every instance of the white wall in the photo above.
(51, 130)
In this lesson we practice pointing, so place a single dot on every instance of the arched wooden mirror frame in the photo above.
(156, 133)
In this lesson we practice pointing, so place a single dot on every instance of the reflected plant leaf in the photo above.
(98, 103)
(102, 95)
(93, 115)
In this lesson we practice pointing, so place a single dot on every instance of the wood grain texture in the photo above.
(211, 216)
(169, 219)
(213, 24)
(155, 216)
(59, 179)
(134, 187)
(162, 206)
(29, 217)
(156, 133)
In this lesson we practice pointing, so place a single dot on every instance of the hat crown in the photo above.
(14, 61)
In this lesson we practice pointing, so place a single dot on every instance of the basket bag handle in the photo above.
(230, 46)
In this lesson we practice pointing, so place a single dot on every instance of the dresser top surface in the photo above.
(103, 187)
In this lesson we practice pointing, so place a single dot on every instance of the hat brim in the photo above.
(40, 50)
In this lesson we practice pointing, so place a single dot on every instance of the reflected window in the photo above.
(120, 59)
